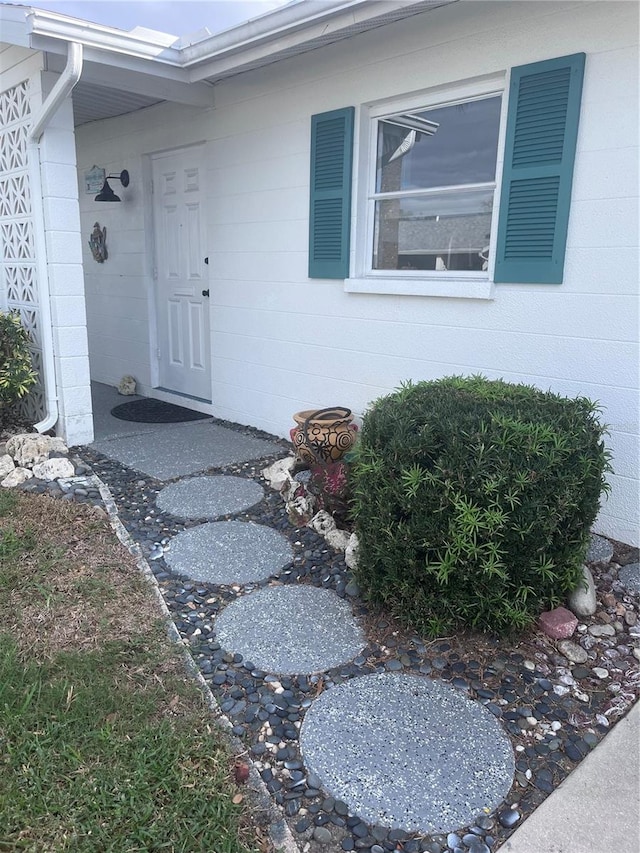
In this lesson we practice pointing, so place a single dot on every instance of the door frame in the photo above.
(152, 294)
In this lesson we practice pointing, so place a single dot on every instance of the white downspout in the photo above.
(58, 94)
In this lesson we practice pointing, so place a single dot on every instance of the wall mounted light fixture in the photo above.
(106, 193)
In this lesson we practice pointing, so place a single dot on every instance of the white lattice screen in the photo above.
(17, 255)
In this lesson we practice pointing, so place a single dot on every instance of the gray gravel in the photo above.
(378, 740)
(209, 497)
(227, 552)
(290, 630)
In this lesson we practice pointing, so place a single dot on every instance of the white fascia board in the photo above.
(165, 84)
(140, 43)
(13, 26)
(283, 29)
(149, 52)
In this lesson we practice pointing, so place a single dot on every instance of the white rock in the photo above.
(601, 672)
(300, 508)
(338, 539)
(16, 477)
(127, 385)
(28, 449)
(560, 690)
(280, 472)
(322, 522)
(582, 601)
(52, 469)
(6, 465)
(352, 551)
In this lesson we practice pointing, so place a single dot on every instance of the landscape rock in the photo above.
(280, 472)
(602, 630)
(6, 465)
(52, 469)
(630, 577)
(582, 601)
(351, 552)
(16, 478)
(338, 539)
(322, 523)
(600, 550)
(559, 624)
(572, 651)
(300, 509)
(28, 449)
(127, 386)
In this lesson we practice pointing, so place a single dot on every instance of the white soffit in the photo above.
(92, 102)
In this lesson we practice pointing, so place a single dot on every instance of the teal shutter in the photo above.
(330, 199)
(540, 146)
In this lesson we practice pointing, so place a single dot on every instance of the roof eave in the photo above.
(284, 30)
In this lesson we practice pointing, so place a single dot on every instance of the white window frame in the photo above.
(470, 285)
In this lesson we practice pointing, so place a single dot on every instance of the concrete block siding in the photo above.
(64, 260)
(282, 342)
(55, 214)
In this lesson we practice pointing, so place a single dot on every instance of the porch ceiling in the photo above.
(92, 102)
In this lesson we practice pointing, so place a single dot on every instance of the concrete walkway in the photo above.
(597, 808)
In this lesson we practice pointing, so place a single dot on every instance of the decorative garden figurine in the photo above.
(98, 243)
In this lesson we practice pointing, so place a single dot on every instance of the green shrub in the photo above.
(16, 372)
(473, 501)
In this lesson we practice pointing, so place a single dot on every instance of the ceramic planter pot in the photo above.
(323, 435)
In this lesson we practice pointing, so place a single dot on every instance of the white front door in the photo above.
(182, 294)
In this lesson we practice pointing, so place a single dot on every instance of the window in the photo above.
(434, 185)
(424, 222)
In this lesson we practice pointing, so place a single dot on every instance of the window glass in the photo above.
(440, 231)
(426, 216)
(446, 146)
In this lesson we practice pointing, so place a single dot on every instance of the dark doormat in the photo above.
(150, 411)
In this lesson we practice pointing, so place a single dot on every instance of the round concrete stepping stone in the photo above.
(407, 752)
(226, 552)
(600, 550)
(629, 576)
(208, 497)
(291, 629)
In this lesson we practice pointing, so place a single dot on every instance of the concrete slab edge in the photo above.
(279, 832)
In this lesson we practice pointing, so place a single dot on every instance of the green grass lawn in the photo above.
(105, 744)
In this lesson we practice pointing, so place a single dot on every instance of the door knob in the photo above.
(206, 260)
(205, 292)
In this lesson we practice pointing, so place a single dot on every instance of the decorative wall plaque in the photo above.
(94, 179)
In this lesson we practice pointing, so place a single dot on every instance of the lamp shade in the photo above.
(106, 193)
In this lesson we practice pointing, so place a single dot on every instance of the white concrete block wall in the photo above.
(56, 248)
(58, 171)
(282, 342)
